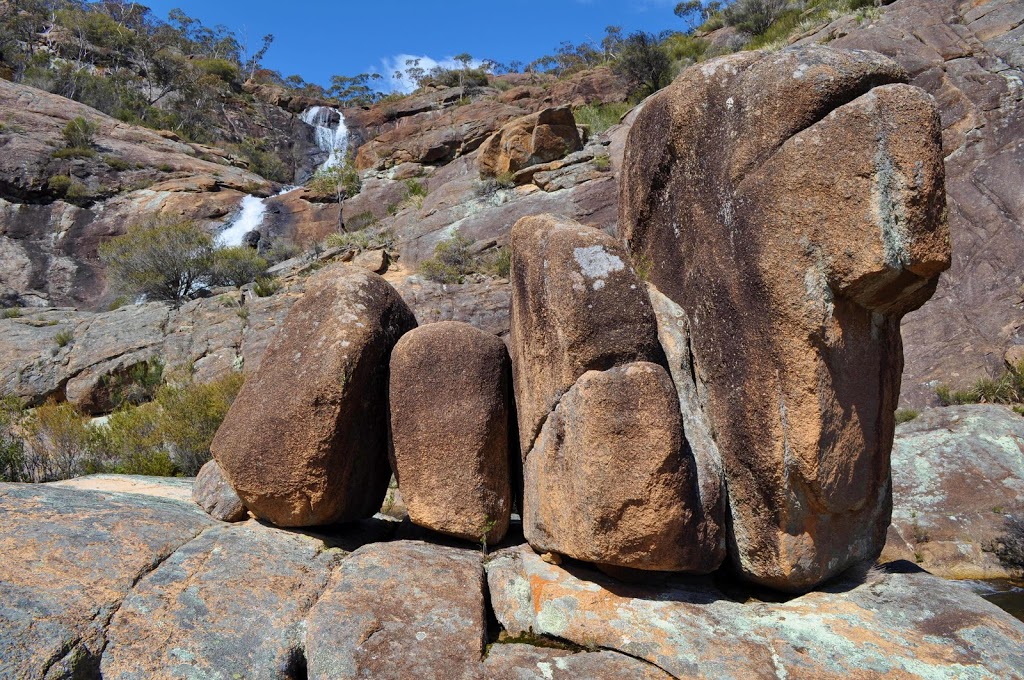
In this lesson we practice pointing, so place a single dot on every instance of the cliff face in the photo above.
(970, 57)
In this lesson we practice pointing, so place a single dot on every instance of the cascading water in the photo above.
(331, 138)
(331, 133)
(250, 217)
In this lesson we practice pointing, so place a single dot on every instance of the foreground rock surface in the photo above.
(795, 225)
(68, 558)
(215, 496)
(400, 610)
(230, 603)
(526, 662)
(905, 624)
(305, 442)
(611, 481)
(450, 405)
(958, 475)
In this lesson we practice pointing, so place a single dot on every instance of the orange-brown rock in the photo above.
(611, 481)
(536, 138)
(792, 205)
(305, 442)
(450, 429)
(577, 306)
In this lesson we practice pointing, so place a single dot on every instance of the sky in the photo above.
(318, 38)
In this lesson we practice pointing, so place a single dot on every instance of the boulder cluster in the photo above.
(715, 383)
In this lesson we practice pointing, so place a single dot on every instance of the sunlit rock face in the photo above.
(792, 206)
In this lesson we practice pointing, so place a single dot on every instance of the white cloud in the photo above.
(390, 65)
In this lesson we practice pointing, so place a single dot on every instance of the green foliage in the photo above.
(498, 263)
(754, 16)
(64, 337)
(905, 415)
(451, 261)
(415, 189)
(135, 385)
(74, 152)
(361, 221)
(644, 63)
(281, 250)
(489, 186)
(12, 449)
(163, 259)
(59, 443)
(685, 49)
(602, 162)
(11, 313)
(59, 184)
(365, 239)
(131, 443)
(265, 286)
(341, 181)
(264, 162)
(79, 133)
(220, 68)
(115, 163)
(1008, 389)
(599, 117)
(237, 266)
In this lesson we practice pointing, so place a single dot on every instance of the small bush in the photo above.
(266, 286)
(281, 250)
(165, 167)
(135, 385)
(754, 16)
(237, 266)
(115, 163)
(491, 185)
(499, 263)
(12, 313)
(341, 180)
(163, 259)
(599, 117)
(1006, 389)
(59, 184)
(64, 337)
(451, 261)
(74, 152)
(60, 443)
(190, 416)
(79, 133)
(361, 221)
(415, 189)
(602, 162)
(905, 415)
(12, 449)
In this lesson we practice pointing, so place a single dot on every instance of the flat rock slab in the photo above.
(527, 662)
(68, 557)
(957, 475)
(400, 610)
(174, 488)
(229, 604)
(906, 625)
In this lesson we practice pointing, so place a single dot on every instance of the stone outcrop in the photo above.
(400, 610)
(450, 399)
(69, 557)
(230, 603)
(968, 56)
(900, 622)
(793, 304)
(537, 138)
(608, 474)
(130, 585)
(958, 476)
(215, 496)
(610, 479)
(305, 442)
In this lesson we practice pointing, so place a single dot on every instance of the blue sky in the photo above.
(318, 38)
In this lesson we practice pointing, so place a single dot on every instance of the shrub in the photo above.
(264, 162)
(12, 313)
(79, 133)
(451, 261)
(415, 189)
(163, 259)
(74, 152)
(754, 16)
(189, 418)
(130, 443)
(59, 442)
(644, 63)
(237, 266)
(135, 385)
(64, 337)
(1006, 389)
(499, 263)
(220, 68)
(59, 184)
(12, 449)
(341, 180)
(366, 239)
(599, 117)
(602, 162)
(115, 163)
(488, 187)
(905, 415)
(281, 250)
(266, 286)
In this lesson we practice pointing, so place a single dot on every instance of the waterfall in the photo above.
(250, 217)
(331, 134)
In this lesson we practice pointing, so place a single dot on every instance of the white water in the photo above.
(330, 138)
(251, 216)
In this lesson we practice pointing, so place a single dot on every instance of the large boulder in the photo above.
(577, 306)
(958, 479)
(305, 443)
(537, 138)
(899, 622)
(450, 429)
(792, 205)
(231, 603)
(68, 558)
(400, 610)
(611, 480)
